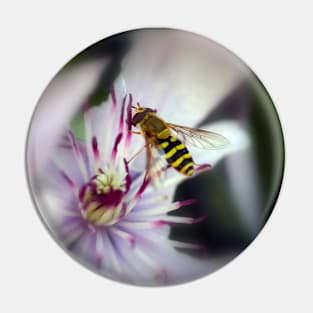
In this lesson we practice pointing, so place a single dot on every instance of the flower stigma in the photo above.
(109, 179)
(101, 199)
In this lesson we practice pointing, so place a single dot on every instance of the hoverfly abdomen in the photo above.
(176, 154)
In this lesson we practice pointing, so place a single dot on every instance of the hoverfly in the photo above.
(170, 140)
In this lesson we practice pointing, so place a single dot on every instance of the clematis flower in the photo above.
(105, 210)
(102, 207)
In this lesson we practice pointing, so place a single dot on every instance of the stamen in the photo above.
(121, 126)
(115, 147)
(83, 191)
(128, 177)
(102, 198)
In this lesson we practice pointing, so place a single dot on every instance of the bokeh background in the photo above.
(193, 76)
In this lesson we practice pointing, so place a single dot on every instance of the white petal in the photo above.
(182, 75)
(153, 261)
(56, 108)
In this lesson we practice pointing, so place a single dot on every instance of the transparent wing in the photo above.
(199, 138)
(158, 167)
(155, 164)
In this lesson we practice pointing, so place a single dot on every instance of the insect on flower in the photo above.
(167, 142)
(108, 214)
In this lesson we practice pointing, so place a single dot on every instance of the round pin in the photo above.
(154, 157)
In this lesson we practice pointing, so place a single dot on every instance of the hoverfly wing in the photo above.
(157, 167)
(199, 138)
(155, 164)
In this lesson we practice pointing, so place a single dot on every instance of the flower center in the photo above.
(106, 181)
(101, 198)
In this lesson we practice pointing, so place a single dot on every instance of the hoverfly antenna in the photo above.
(138, 105)
(134, 107)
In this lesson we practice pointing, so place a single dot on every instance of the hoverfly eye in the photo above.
(137, 118)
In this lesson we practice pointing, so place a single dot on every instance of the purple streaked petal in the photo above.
(162, 209)
(142, 188)
(130, 266)
(99, 249)
(186, 245)
(157, 238)
(128, 177)
(202, 167)
(113, 250)
(95, 149)
(74, 144)
(124, 235)
(172, 220)
(68, 180)
(115, 147)
(159, 272)
(72, 229)
(151, 199)
(136, 225)
(138, 194)
(121, 124)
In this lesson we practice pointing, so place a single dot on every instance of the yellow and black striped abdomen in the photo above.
(176, 154)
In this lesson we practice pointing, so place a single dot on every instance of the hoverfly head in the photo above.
(140, 113)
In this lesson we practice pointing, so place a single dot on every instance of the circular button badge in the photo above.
(155, 157)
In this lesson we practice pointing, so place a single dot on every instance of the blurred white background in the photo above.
(274, 38)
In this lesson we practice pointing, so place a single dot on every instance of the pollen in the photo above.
(109, 180)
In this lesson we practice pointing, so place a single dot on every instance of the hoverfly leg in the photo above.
(136, 154)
